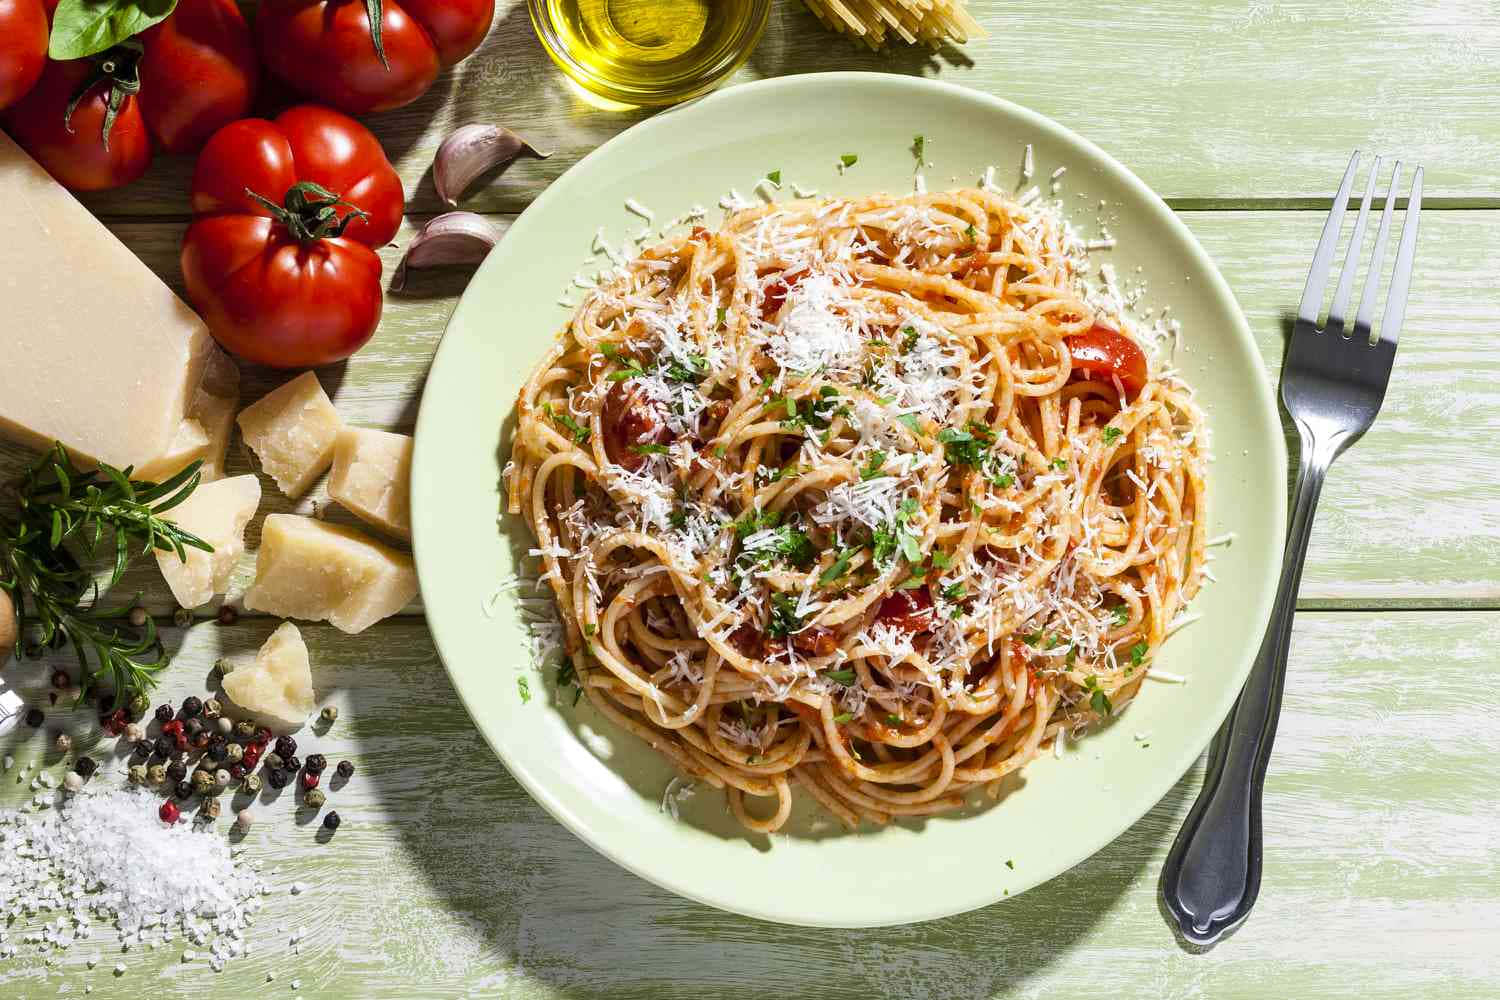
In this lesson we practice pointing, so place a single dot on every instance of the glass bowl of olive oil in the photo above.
(649, 52)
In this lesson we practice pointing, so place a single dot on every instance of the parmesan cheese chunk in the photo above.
(204, 434)
(292, 431)
(326, 572)
(276, 684)
(371, 473)
(99, 354)
(217, 513)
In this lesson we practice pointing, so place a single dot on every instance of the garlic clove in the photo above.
(450, 238)
(469, 152)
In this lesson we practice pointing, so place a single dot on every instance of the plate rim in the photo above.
(1168, 773)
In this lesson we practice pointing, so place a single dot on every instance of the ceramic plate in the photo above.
(607, 786)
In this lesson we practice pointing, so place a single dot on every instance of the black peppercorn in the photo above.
(278, 777)
(286, 747)
(193, 726)
(331, 821)
(177, 770)
(162, 746)
(191, 706)
(345, 769)
(244, 730)
(86, 767)
(217, 751)
(183, 790)
(35, 718)
(164, 713)
(293, 764)
(60, 679)
(144, 748)
(316, 763)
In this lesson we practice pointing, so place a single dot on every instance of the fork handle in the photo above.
(1212, 874)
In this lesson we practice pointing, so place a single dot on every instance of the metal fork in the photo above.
(1332, 383)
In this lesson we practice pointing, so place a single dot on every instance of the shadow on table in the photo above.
(529, 898)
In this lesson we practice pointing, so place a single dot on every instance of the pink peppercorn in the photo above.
(310, 779)
(169, 812)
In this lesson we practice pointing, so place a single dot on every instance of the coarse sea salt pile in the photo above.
(106, 858)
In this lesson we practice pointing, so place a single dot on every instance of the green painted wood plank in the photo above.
(1221, 100)
(1382, 871)
(1411, 514)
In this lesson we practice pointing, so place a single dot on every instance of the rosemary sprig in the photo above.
(58, 504)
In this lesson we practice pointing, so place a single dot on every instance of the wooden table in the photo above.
(1382, 828)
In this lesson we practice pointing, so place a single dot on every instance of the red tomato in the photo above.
(632, 418)
(23, 47)
(72, 148)
(198, 74)
(325, 48)
(283, 287)
(175, 83)
(773, 297)
(1104, 353)
(907, 610)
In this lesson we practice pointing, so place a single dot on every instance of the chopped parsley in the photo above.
(843, 678)
(1009, 863)
(874, 467)
(817, 413)
(567, 677)
(755, 521)
(940, 559)
(893, 719)
(1060, 464)
(784, 618)
(839, 568)
(954, 592)
(609, 350)
(849, 159)
(1138, 653)
(678, 372)
(649, 449)
(1098, 700)
(524, 687)
(842, 718)
(914, 581)
(564, 419)
(589, 628)
(678, 518)
(919, 147)
(912, 422)
(774, 177)
(908, 339)
(971, 233)
(1120, 615)
(1111, 433)
(723, 312)
(632, 370)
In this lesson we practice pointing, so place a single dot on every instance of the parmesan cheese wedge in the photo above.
(276, 684)
(204, 434)
(217, 513)
(326, 572)
(371, 473)
(99, 354)
(292, 431)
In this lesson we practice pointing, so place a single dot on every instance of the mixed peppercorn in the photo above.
(199, 752)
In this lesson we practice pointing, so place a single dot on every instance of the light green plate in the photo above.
(605, 785)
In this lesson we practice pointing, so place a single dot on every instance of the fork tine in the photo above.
(1312, 295)
(1395, 303)
(1351, 257)
(1372, 279)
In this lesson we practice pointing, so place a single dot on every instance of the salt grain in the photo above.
(106, 854)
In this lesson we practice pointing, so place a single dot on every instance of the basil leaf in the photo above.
(85, 27)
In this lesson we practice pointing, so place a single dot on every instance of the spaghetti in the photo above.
(872, 498)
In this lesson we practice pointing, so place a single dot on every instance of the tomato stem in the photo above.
(309, 211)
(376, 13)
(120, 65)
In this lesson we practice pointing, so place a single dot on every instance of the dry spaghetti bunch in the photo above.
(872, 21)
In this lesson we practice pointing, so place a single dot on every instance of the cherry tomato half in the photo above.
(1104, 353)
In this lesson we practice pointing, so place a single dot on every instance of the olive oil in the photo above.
(649, 51)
